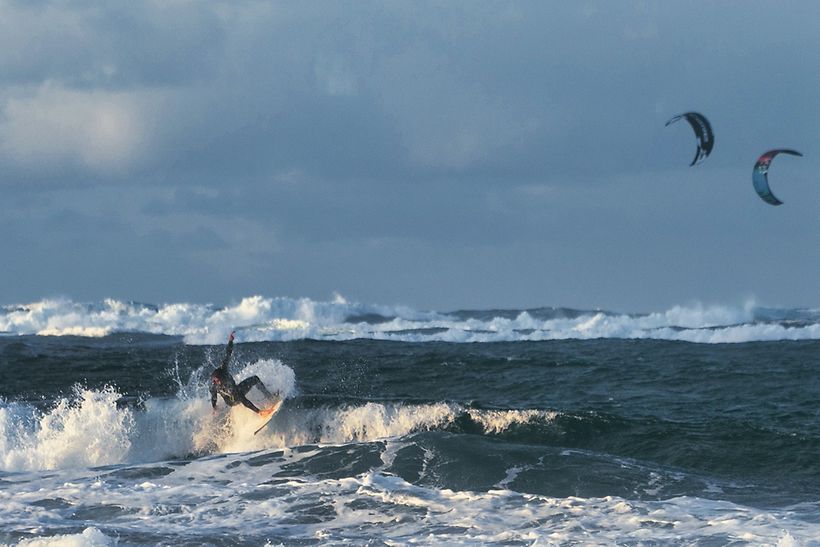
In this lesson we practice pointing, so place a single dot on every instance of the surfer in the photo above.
(232, 393)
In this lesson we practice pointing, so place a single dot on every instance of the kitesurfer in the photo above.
(232, 393)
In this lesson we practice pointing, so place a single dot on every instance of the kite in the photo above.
(703, 132)
(760, 177)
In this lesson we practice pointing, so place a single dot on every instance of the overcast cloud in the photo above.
(435, 154)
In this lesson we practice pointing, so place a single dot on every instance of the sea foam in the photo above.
(89, 429)
(90, 537)
(258, 318)
(237, 493)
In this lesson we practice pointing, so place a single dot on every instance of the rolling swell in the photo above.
(742, 456)
(446, 444)
(733, 451)
(634, 418)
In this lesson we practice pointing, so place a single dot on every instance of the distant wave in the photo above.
(258, 318)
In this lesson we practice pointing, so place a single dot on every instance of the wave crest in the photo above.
(257, 318)
(91, 429)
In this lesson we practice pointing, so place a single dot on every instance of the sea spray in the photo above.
(259, 319)
(90, 428)
(85, 429)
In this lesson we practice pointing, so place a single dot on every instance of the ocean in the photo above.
(697, 425)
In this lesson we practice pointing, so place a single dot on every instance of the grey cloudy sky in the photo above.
(436, 154)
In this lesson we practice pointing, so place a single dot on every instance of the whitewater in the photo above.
(283, 319)
(539, 426)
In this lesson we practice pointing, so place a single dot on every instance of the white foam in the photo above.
(278, 319)
(209, 495)
(88, 429)
(368, 422)
(82, 431)
(90, 537)
(256, 318)
(497, 421)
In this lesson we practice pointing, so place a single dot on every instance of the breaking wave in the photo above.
(258, 318)
(91, 428)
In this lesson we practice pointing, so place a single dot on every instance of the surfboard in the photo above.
(268, 414)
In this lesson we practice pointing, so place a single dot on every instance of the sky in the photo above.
(441, 155)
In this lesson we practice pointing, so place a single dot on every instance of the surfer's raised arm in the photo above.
(228, 350)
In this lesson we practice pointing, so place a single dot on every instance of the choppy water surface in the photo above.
(513, 427)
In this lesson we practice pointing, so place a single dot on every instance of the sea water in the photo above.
(695, 425)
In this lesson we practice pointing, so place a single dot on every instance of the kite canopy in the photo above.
(703, 132)
(760, 177)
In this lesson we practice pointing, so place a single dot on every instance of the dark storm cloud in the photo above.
(516, 148)
(471, 92)
(114, 45)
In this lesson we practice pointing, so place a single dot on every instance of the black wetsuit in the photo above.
(223, 383)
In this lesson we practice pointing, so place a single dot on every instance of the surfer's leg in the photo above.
(244, 400)
(246, 385)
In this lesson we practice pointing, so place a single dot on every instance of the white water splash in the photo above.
(281, 319)
(90, 537)
(221, 494)
(89, 430)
